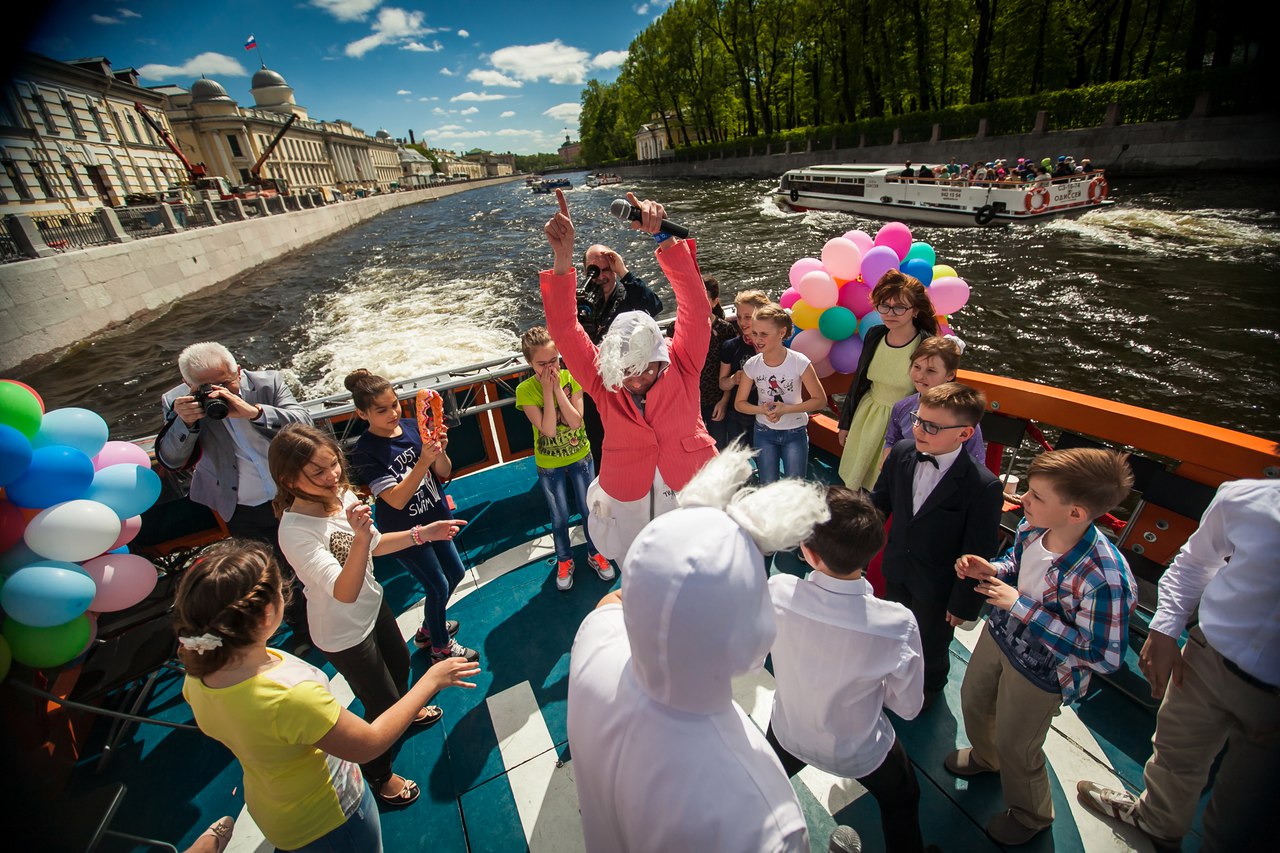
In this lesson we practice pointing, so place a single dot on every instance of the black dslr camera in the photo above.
(215, 408)
(591, 298)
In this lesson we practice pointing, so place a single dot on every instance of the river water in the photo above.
(1167, 300)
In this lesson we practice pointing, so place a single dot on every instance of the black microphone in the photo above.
(627, 213)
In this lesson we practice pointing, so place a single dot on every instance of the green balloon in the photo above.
(19, 408)
(45, 647)
(6, 658)
(837, 323)
(923, 251)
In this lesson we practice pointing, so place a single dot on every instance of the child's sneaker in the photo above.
(454, 650)
(422, 639)
(603, 567)
(564, 574)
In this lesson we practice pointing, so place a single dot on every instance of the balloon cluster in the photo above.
(830, 299)
(72, 501)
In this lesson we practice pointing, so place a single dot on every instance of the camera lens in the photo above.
(216, 409)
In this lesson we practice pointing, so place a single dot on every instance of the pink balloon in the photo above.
(842, 258)
(812, 343)
(123, 580)
(823, 368)
(861, 239)
(789, 297)
(844, 355)
(877, 262)
(120, 453)
(944, 329)
(896, 236)
(818, 289)
(129, 528)
(856, 296)
(802, 266)
(948, 295)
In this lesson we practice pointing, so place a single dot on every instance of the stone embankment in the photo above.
(51, 303)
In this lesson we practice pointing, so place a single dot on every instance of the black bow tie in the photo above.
(926, 457)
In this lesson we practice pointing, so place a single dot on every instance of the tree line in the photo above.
(716, 70)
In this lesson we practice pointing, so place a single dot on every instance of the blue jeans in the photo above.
(439, 569)
(362, 833)
(788, 448)
(555, 484)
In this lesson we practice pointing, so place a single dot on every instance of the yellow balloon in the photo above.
(941, 270)
(804, 315)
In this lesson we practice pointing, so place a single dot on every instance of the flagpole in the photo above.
(258, 48)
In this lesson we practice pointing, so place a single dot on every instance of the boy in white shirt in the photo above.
(841, 656)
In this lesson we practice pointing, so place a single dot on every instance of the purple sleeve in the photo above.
(976, 447)
(900, 420)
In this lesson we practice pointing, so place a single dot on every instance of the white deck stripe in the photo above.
(546, 796)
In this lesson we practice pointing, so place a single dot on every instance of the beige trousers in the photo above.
(1214, 706)
(1007, 718)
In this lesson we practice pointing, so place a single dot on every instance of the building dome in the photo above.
(383, 134)
(270, 92)
(205, 91)
(265, 77)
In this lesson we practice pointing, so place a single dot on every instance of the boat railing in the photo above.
(997, 184)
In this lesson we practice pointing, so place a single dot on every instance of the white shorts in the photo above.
(615, 524)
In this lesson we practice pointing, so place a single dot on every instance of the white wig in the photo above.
(631, 343)
(203, 357)
(778, 517)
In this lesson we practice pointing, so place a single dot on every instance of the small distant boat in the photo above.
(603, 180)
(554, 184)
(884, 192)
(530, 180)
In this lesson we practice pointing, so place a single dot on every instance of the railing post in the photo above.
(1201, 109)
(862, 140)
(897, 136)
(237, 205)
(937, 133)
(983, 123)
(262, 206)
(1112, 117)
(210, 212)
(168, 220)
(1042, 121)
(111, 225)
(27, 236)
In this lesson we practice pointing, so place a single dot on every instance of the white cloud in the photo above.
(403, 92)
(642, 9)
(347, 10)
(464, 34)
(507, 114)
(424, 99)
(127, 13)
(553, 60)
(393, 26)
(439, 111)
(446, 72)
(609, 59)
(448, 128)
(206, 63)
(419, 47)
(470, 111)
(489, 77)
(105, 20)
(566, 112)
(513, 131)
(460, 134)
(479, 96)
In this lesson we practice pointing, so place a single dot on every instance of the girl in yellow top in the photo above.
(297, 745)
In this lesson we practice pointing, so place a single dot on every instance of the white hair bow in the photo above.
(201, 644)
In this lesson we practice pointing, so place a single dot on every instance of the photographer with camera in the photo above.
(219, 423)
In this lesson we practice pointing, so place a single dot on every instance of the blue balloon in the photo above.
(920, 269)
(15, 454)
(55, 475)
(82, 429)
(47, 593)
(16, 557)
(867, 323)
(128, 489)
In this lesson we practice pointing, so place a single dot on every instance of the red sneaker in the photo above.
(603, 567)
(564, 574)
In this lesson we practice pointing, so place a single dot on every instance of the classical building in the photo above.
(454, 166)
(651, 141)
(71, 139)
(495, 165)
(570, 152)
(416, 170)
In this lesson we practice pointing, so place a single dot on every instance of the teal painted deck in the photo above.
(493, 773)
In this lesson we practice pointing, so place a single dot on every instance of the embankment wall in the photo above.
(50, 304)
(1238, 143)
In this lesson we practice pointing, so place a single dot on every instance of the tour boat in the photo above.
(603, 180)
(552, 184)
(497, 773)
(882, 192)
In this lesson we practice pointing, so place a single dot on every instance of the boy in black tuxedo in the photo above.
(943, 505)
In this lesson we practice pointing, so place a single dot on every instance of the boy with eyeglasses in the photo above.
(943, 505)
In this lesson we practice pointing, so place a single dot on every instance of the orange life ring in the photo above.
(1098, 190)
(1034, 193)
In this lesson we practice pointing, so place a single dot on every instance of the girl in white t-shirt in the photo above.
(294, 740)
(779, 375)
(328, 537)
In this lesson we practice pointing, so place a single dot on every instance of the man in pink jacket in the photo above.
(645, 386)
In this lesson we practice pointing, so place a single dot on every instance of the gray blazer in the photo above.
(214, 481)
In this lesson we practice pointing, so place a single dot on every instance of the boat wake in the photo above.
(1240, 234)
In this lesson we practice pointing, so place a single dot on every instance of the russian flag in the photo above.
(251, 43)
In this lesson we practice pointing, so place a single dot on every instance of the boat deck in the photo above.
(496, 775)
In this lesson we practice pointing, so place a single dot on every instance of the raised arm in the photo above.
(559, 301)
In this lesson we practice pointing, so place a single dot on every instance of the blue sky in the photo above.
(503, 75)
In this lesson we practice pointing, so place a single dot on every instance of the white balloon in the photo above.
(73, 531)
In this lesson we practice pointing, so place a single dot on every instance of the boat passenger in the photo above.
(944, 505)
(663, 758)
(733, 355)
(646, 387)
(883, 375)
(841, 657)
(1061, 599)
(908, 171)
(934, 361)
(779, 375)
(295, 742)
(328, 536)
(552, 401)
(925, 171)
(1223, 686)
(407, 477)
(715, 401)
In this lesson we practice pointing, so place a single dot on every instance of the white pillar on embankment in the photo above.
(49, 304)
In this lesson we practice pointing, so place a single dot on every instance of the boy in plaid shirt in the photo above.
(1061, 600)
